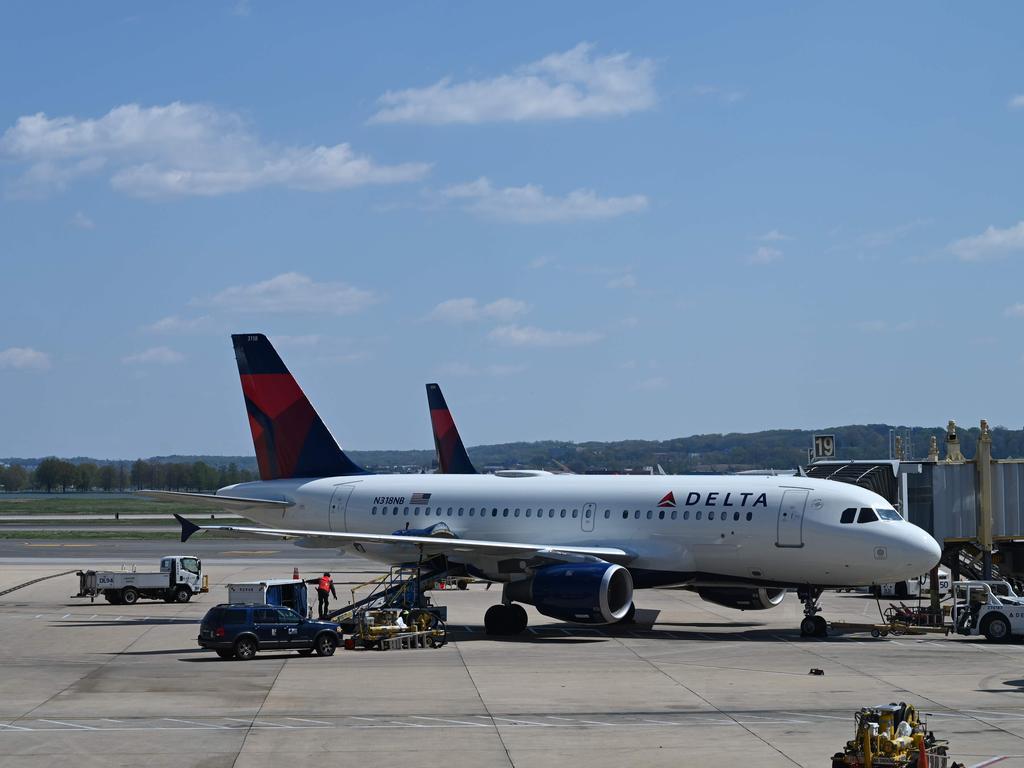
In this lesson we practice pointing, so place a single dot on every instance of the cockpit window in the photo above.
(867, 515)
(886, 513)
(848, 515)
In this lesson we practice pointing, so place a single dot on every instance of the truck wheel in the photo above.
(996, 628)
(325, 644)
(245, 648)
(129, 595)
(226, 654)
(182, 595)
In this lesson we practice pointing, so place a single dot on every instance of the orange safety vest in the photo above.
(325, 584)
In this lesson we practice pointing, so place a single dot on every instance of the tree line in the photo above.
(53, 474)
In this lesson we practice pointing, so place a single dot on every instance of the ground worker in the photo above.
(324, 588)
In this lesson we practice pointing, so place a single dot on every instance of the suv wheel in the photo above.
(226, 654)
(325, 644)
(245, 648)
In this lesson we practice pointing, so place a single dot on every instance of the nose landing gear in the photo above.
(812, 624)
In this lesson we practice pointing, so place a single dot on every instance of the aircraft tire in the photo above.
(808, 626)
(820, 626)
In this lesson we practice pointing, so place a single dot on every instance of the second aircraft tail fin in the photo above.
(452, 458)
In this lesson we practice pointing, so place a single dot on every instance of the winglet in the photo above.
(187, 528)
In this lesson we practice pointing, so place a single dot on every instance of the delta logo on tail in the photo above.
(668, 500)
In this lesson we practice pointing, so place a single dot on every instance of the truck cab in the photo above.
(183, 570)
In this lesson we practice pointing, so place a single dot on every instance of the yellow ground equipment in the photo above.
(893, 736)
(375, 627)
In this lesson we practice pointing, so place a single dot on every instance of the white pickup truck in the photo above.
(989, 608)
(179, 577)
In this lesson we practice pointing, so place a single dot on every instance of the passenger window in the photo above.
(494, 512)
(416, 510)
(449, 511)
(636, 515)
(673, 514)
(625, 514)
(529, 511)
(373, 511)
(661, 514)
(686, 514)
(697, 516)
(460, 511)
(711, 514)
(551, 513)
(575, 514)
(750, 515)
(395, 511)
(563, 513)
(516, 513)
(650, 514)
(607, 514)
(504, 512)
(472, 511)
(405, 511)
(867, 515)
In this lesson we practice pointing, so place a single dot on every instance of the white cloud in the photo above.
(529, 204)
(307, 340)
(1017, 310)
(176, 324)
(725, 95)
(627, 281)
(81, 221)
(773, 236)
(180, 149)
(992, 243)
(470, 310)
(764, 255)
(292, 293)
(1016, 102)
(154, 356)
(560, 86)
(494, 370)
(653, 384)
(24, 358)
(529, 336)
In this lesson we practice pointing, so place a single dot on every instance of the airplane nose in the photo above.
(921, 550)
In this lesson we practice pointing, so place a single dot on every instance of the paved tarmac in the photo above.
(91, 684)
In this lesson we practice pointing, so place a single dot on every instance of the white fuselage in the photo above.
(715, 529)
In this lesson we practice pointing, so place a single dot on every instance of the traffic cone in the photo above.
(295, 572)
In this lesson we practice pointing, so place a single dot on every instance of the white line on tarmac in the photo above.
(72, 725)
(445, 720)
(15, 727)
(304, 720)
(811, 714)
(192, 722)
(112, 720)
(65, 616)
(371, 719)
(990, 761)
(522, 722)
(661, 722)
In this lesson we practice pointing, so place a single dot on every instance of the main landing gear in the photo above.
(812, 624)
(505, 619)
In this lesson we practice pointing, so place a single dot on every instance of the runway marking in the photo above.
(445, 720)
(990, 761)
(521, 722)
(811, 714)
(304, 720)
(40, 544)
(15, 727)
(249, 552)
(72, 725)
(192, 722)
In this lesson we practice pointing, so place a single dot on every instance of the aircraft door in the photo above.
(339, 504)
(589, 513)
(791, 519)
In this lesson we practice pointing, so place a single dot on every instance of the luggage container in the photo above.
(288, 593)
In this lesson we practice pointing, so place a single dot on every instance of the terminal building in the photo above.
(973, 507)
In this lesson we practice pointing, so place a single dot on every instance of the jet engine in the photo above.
(743, 598)
(587, 593)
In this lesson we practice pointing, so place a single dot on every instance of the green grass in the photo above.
(116, 535)
(75, 504)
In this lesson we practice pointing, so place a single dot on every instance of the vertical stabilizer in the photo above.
(452, 458)
(290, 438)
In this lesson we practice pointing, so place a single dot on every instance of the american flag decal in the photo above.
(419, 498)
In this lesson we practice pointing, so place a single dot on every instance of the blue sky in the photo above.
(585, 221)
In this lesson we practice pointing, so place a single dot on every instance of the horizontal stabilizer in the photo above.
(230, 503)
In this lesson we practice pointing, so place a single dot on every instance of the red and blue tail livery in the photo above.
(290, 438)
(452, 458)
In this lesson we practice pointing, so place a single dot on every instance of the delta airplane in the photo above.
(573, 546)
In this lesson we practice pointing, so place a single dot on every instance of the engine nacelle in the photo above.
(743, 598)
(588, 593)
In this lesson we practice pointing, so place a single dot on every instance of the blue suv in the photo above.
(239, 630)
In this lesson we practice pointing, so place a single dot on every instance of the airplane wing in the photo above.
(433, 545)
(231, 503)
